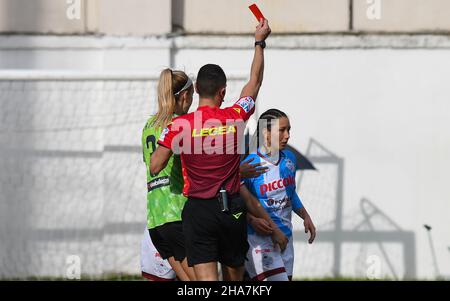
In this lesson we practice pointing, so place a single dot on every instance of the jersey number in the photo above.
(151, 139)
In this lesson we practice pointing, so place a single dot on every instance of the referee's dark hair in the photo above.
(210, 80)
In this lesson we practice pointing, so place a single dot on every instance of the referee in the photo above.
(214, 219)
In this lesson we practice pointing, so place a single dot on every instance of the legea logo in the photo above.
(192, 134)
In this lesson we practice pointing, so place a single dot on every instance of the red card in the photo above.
(255, 10)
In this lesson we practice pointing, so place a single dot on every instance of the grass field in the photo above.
(132, 277)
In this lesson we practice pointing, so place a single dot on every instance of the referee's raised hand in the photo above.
(262, 30)
(257, 70)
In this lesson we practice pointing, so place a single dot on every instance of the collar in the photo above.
(206, 107)
(269, 159)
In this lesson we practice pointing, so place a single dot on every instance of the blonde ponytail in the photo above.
(166, 100)
(169, 81)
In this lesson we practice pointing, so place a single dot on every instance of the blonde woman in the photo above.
(165, 200)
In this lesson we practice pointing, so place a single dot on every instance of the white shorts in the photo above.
(153, 267)
(264, 261)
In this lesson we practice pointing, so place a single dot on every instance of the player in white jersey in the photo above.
(153, 267)
(276, 190)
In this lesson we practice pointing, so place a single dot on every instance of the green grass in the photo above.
(107, 277)
(339, 279)
(136, 277)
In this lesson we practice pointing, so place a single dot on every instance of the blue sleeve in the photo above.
(296, 201)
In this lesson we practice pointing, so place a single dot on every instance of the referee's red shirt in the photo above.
(207, 141)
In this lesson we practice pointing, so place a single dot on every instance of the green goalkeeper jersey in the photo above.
(165, 200)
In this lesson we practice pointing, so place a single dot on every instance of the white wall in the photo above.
(112, 17)
(156, 17)
(386, 111)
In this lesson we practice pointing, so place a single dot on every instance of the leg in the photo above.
(206, 271)
(188, 270)
(233, 274)
(152, 265)
(165, 252)
(175, 238)
(288, 258)
(264, 262)
(233, 244)
(199, 228)
(177, 267)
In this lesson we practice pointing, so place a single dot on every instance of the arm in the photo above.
(159, 159)
(261, 226)
(162, 154)
(307, 222)
(300, 210)
(249, 171)
(255, 208)
(257, 70)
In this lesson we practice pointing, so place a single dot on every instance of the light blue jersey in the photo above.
(276, 189)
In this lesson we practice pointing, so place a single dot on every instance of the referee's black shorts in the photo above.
(212, 235)
(169, 240)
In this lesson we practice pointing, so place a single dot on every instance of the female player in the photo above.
(165, 200)
(276, 191)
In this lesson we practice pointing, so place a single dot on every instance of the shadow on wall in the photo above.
(368, 225)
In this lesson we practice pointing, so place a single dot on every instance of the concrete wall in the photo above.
(40, 16)
(380, 103)
(159, 17)
(285, 16)
(135, 17)
(402, 15)
(113, 17)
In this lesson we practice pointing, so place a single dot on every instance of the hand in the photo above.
(309, 226)
(248, 170)
(278, 238)
(261, 226)
(262, 30)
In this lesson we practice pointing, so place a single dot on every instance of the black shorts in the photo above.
(168, 239)
(212, 235)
